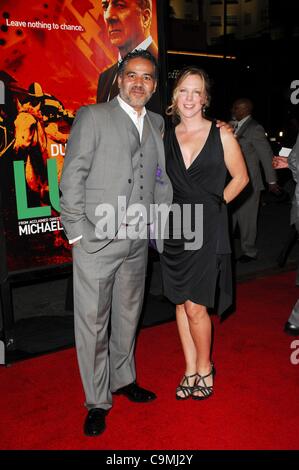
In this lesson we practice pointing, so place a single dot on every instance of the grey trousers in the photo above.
(108, 284)
(294, 317)
(246, 217)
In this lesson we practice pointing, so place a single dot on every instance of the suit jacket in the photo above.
(108, 89)
(293, 161)
(98, 168)
(256, 150)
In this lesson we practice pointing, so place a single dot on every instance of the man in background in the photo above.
(256, 150)
(292, 162)
(128, 25)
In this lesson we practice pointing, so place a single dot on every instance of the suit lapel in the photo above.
(243, 128)
(133, 132)
(113, 86)
(146, 129)
(158, 139)
(120, 123)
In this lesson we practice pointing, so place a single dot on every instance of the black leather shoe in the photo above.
(291, 329)
(95, 422)
(135, 393)
(246, 258)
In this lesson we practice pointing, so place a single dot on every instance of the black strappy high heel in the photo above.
(185, 389)
(202, 387)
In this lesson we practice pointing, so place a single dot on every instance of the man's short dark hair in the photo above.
(136, 54)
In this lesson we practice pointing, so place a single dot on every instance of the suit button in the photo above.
(141, 166)
(141, 155)
(141, 198)
(129, 180)
(141, 176)
(141, 187)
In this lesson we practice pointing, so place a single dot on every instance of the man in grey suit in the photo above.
(110, 165)
(256, 150)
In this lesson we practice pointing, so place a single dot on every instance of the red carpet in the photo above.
(255, 405)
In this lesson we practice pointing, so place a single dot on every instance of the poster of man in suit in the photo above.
(52, 55)
(129, 26)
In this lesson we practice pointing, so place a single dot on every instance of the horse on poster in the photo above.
(34, 143)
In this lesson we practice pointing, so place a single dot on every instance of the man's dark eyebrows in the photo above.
(129, 71)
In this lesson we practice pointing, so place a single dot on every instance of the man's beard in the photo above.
(134, 100)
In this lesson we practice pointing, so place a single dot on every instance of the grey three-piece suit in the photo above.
(256, 150)
(105, 159)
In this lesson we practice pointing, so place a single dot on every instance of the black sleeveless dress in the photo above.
(193, 274)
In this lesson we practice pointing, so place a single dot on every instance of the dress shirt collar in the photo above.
(137, 119)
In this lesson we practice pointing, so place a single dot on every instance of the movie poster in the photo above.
(51, 57)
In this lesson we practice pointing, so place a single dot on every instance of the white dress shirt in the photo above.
(138, 119)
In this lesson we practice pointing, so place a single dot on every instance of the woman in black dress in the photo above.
(198, 156)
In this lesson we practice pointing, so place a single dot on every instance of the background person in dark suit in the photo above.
(128, 25)
(257, 151)
(292, 162)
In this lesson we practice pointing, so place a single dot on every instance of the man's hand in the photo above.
(280, 162)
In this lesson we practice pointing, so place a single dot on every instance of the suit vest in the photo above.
(144, 163)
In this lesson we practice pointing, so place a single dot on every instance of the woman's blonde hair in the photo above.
(172, 110)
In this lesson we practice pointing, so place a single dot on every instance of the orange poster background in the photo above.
(67, 65)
